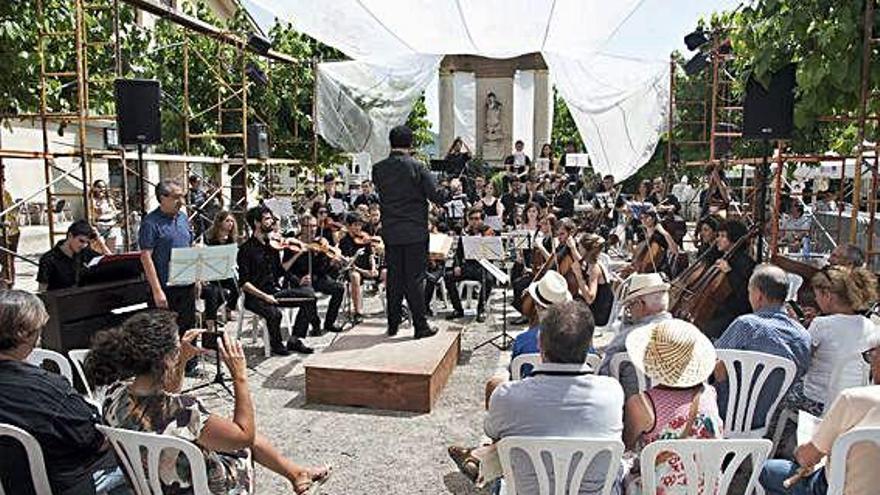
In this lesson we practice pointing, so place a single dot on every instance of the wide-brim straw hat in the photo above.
(641, 284)
(551, 289)
(672, 352)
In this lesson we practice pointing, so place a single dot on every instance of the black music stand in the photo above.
(204, 264)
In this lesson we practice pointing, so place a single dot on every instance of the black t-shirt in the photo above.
(59, 271)
(45, 405)
(564, 201)
(348, 248)
(260, 265)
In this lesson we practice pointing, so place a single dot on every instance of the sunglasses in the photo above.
(868, 355)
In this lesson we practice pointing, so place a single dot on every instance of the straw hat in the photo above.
(550, 290)
(640, 284)
(673, 353)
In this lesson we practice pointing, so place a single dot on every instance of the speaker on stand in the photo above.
(768, 113)
(138, 120)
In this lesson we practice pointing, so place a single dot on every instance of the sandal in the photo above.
(467, 464)
(311, 479)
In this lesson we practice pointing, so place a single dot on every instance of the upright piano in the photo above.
(77, 313)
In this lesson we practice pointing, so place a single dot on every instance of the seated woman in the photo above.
(144, 361)
(593, 279)
(678, 359)
(838, 337)
(358, 243)
(224, 230)
(44, 404)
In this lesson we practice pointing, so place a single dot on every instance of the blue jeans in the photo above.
(775, 471)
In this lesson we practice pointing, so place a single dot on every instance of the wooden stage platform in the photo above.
(366, 368)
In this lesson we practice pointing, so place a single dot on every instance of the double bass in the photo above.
(698, 301)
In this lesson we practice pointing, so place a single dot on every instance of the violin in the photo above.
(281, 243)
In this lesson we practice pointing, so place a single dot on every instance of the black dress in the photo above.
(601, 305)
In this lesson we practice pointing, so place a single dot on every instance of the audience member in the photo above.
(838, 337)
(847, 255)
(562, 398)
(678, 359)
(142, 361)
(769, 330)
(856, 407)
(44, 404)
(645, 302)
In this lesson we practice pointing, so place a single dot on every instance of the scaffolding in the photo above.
(232, 107)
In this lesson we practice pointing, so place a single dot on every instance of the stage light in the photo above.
(259, 43)
(696, 64)
(696, 39)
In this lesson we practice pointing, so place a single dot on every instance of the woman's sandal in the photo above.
(311, 480)
(467, 464)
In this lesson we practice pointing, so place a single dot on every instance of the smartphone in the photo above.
(209, 340)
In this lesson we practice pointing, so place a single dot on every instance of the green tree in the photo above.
(564, 129)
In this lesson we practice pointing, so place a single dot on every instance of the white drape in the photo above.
(617, 101)
(464, 107)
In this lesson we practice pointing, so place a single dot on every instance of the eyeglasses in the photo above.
(475, 218)
(322, 212)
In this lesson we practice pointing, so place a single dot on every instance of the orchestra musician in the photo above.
(593, 278)
(457, 157)
(62, 266)
(469, 269)
(563, 200)
(657, 247)
(260, 270)
(224, 230)
(331, 196)
(707, 232)
(738, 270)
(319, 264)
(358, 244)
(543, 244)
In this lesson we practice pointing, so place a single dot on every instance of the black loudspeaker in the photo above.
(257, 141)
(137, 111)
(769, 113)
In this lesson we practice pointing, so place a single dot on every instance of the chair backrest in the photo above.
(144, 472)
(840, 380)
(840, 451)
(617, 361)
(39, 355)
(795, 282)
(518, 362)
(567, 475)
(35, 459)
(78, 357)
(705, 463)
(747, 373)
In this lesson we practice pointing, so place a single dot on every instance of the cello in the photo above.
(563, 260)
(698, 301)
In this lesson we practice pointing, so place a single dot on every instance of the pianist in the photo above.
(62, 266)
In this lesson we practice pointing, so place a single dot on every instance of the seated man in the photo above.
(562, 398)
(62, 266)
(645, 302)
(78, 458)
(769, 330)
(550, 290)
(854, 408)
(259, 272)
(465, 269)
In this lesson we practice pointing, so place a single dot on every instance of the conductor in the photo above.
(404, 187)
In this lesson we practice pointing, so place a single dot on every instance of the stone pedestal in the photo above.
(447, 111)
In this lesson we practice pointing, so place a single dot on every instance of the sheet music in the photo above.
(580, 160)
(542, 164)
(479, 248)
(494, 222)
(337, 206)
(439, 244)
(202, 264)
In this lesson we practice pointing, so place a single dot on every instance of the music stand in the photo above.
(482, 250)
(204, 264)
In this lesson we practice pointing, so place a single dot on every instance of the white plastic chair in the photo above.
(840, 451)
(258, 325)
(741, 400)
(705, 460)
(35, 459)
(469, 291)
(567, 478)
(40, 355)
(145, 476)
(795, 282)
(518, 362)
(617, 361)
(78, 358)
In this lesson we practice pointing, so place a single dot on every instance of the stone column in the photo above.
(447, 111)
(541, 123)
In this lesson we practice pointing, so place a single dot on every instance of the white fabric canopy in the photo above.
(609, 61)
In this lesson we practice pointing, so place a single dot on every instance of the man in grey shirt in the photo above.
(562, 398)
(647, 302)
